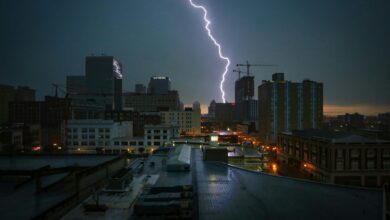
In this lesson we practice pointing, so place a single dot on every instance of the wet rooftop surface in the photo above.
(226, 192)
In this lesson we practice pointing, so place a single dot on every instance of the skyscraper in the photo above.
(246, 105)
(244, 88)
(285, 106)
(159, 85)
(104, 81)
(211, 110)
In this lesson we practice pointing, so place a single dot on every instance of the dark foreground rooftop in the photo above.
(223, 192)
(226, 192)
(36, 161)
(19, 198)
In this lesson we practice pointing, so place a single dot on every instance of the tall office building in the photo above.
(159, 85)
(246, 105)
(211, 110)
(104, 81)
(285, 106)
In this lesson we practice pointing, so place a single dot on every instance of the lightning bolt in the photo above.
(226, 59)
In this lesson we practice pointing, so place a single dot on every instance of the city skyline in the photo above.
(322, 41)
(195, 109)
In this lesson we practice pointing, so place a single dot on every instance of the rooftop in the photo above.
(227, 192)
(19, 192)
(36, 161)
(334, 136)
(224, 192)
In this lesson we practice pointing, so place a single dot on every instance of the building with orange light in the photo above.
(336, 157)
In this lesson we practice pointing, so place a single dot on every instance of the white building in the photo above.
(154, 137)
(92, 134)
(157, 135)
(129, 144)
(188, 120)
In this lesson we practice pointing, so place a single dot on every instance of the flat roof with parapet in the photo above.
(227, 192)
(334, 136)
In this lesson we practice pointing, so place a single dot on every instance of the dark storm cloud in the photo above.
(344, 44)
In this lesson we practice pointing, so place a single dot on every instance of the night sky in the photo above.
(344, 44)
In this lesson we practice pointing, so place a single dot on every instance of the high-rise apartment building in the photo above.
(286, 105)
(103, 77)
(159, 85)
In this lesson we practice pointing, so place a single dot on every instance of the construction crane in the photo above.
(239, 72)
(58, 86)
(248, 65)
